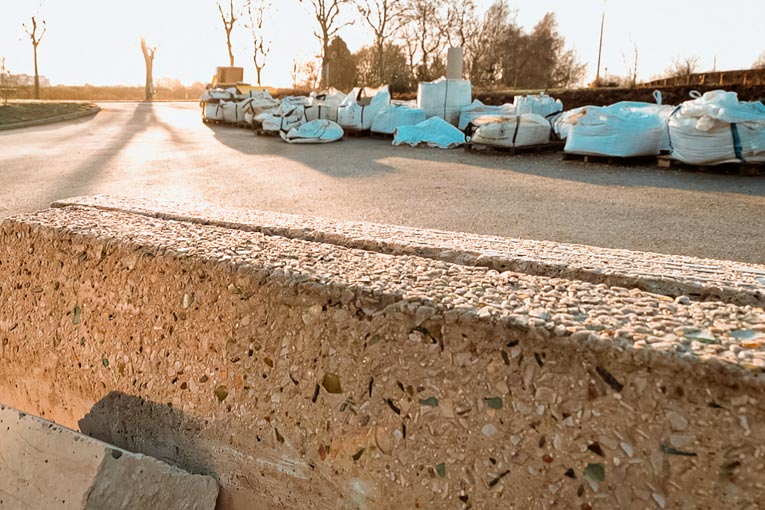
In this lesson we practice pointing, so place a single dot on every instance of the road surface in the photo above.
(163, 150)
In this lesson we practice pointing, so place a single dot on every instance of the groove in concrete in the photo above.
(670, 275)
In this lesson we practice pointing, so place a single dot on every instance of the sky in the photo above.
(97, 41)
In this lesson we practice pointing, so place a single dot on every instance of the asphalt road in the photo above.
(163, 150)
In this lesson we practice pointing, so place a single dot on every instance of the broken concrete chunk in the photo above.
(44, 465)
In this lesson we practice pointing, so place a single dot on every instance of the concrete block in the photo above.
(47, 466)
(308, 367)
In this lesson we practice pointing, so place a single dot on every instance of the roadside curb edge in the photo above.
(94, 109)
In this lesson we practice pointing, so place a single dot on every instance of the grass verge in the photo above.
(13, 113)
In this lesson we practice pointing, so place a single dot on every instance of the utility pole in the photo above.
(600, 46)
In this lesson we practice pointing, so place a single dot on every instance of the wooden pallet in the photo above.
(609, 160)
(242, 125)
(740, 168)
(360, 133)
(552, 146)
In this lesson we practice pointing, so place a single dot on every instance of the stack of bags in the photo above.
(444, 98)
(540, 104)
(324, 105)
(478, 109)
(359, 108)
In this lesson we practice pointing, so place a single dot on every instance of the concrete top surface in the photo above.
(725, 338)
(672, 275)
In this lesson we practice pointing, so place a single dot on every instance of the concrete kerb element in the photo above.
(44, 465)
(670, 275)
(91, 110)
(313, 375)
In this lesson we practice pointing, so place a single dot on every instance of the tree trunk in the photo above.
(37, 76)
(258, 71)
(324, 82)
(381, 61)
(148, 57)
(149, 81)
(230, 53)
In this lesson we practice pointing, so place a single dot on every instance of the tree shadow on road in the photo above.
(85, 177)
(323, 158)
(366, 156)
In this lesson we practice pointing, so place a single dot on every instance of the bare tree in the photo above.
(382, 16)
(229, 17)
(148, 57)
(684, 67)
(759, 63)
(309, 72)
(294, 73)
(36, 38)
(409, 44)
(489, 60)
(260, 47)
(464, 27)
(568, 70)
(632, 67)
(7, 81)
(424, 23)
(326, 13)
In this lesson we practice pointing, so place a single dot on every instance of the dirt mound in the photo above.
(606, 96)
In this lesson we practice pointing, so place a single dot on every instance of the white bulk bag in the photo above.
(230, 112)
(315, 131)
(324, 105)
(241, 111)
(235, 94)
(321, 112)
(393, 116)
(435, 132)
(478, 109)
(662, 111)
(258, 102)
(282, 120)
(444, 98)
(619, 130)
(716, 128)
(252, 113)
(562, 122)
(361, 106)
(243, 108)
(289, 101)
(540, 104)
(218, 94)
(511, 131)
(212, 111)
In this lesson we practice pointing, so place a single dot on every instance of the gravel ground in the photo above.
(164, 151)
